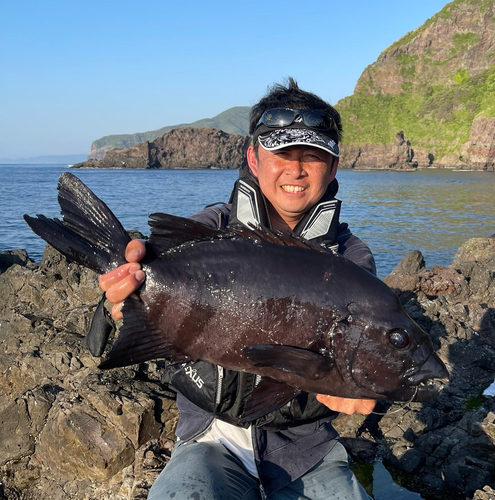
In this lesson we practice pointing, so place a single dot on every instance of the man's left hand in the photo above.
(348, 406)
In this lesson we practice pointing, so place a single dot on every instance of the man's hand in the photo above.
(348, 406)
(126, 279)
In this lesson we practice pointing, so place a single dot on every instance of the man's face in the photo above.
(293, 179)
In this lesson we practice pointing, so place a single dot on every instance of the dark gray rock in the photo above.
(411, 263)
(16, 440)
(116, 428)
(10, 257)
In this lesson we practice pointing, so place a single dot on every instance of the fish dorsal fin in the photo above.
(269, 395)
(169, 231)
(90, 234)
(276, 237)
(88, 216)
(303, 362)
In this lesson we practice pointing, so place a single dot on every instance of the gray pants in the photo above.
(208, 471)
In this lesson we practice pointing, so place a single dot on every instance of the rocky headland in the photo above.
(194, 148)
(233, 121)
(205, 148)
(71, 431)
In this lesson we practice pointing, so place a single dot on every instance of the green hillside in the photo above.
(432, 83)
(435, 117)
(233, 121)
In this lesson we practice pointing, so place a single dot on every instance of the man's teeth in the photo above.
(293, 189)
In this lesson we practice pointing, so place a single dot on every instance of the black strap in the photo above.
(100, 329)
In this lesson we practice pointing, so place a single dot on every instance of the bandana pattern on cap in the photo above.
(285, 137)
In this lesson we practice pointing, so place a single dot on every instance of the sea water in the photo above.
(434, 211)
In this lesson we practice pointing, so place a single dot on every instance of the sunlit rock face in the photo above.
(180, 148)
(482, 144)
(458, 37)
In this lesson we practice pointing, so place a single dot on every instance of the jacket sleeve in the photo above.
(213, 215)
(354, 249)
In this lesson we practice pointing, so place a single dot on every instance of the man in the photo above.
(293, 452)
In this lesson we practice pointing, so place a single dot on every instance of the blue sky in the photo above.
(72, 72)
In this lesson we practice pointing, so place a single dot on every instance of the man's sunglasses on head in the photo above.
(315, 119)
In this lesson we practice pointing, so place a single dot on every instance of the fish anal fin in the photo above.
(140, 340)
(269, 395)
(303, 362)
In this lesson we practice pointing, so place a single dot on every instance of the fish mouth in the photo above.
(428, 380)
(428, 390)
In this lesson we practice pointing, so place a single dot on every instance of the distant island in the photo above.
(233, 121)
(187, 147)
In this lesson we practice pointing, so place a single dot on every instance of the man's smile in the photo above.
(293, 189)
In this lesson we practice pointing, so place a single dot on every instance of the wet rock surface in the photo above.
(70, 431)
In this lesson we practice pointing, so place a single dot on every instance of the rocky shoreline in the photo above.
(205, 148)
(71, 431)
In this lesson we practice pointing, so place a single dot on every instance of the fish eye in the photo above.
(399, 339)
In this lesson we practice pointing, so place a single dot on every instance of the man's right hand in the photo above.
(122, 282)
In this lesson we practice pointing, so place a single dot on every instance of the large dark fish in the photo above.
(277, 306)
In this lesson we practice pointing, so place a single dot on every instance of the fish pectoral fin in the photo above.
(302, 362)
(139, 340)
(269, 395)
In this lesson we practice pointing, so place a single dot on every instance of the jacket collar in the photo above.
(249, 208)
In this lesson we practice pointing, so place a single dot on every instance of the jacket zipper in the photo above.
(262, 491)
(219, 384)
(256, 452)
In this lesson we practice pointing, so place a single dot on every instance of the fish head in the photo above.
(387, 355)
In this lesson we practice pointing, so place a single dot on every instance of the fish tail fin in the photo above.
(89, 234)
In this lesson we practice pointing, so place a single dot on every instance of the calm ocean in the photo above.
(432, 211)
(393, 212)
